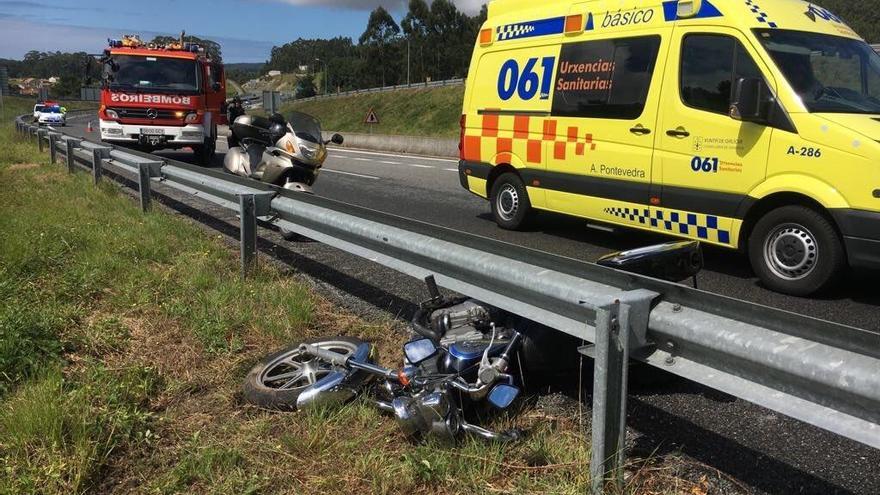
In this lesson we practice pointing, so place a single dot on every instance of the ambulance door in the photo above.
(707, 162)
(604, 116)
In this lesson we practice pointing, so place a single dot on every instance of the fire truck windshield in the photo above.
(159, 74)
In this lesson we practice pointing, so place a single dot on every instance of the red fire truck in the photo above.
(162, 97)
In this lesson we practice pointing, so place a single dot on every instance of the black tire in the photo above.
(511, 207)
(206, 152)
(796, 250)
(255, 389)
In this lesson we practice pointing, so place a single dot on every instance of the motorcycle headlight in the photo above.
(309, 153)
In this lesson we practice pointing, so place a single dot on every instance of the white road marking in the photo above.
(351, 173)
(349, 150)
(451, 169)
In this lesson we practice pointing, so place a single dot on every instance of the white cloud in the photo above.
(469, 6)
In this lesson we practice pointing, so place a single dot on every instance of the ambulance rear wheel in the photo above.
(795, 250)
(510, 202)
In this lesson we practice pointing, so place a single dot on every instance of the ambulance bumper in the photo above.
(861, 235)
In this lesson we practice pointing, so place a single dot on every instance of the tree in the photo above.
(212, 48)
(417, 29)
(68, 87)
(379, 43)
(306, 87)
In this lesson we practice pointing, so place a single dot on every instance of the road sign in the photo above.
(371, 117)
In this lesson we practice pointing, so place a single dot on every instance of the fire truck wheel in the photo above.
(205, 153)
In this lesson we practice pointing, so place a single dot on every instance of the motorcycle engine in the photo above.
(466, 331)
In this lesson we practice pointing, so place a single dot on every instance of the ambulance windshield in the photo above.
(832, 74)
(155, 74)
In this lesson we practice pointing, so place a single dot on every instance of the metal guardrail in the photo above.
(424, 85)
(819, 372)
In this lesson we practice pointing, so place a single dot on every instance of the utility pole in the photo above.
(408, 80)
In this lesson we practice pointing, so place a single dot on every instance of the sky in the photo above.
(247, 29)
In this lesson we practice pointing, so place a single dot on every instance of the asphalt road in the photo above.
(765, 451)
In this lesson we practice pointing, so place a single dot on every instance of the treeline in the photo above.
(433, 41)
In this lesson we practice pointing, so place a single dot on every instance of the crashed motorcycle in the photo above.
(287, 152)
(466, 359)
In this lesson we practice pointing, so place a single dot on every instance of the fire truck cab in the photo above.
(162, 97)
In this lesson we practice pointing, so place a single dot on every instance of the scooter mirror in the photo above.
(503, 395)
(419, 351)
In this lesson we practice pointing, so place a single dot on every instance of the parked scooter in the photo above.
(465, 355)
(285, 152)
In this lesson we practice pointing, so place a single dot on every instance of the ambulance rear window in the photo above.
(607, 79)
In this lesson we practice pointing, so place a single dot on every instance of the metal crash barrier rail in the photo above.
(822, 373)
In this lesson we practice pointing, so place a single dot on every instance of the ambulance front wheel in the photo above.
(510, 202)
(796, 250)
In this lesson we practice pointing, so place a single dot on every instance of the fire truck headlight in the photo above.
(111, 114)
(191, 118)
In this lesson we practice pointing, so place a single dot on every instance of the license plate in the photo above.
(147, 131)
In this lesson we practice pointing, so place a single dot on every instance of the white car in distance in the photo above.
(52, 116)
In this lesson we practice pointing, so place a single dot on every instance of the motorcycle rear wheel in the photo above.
(277, 381)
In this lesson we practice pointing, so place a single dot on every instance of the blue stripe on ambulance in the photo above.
(531, 29)
(670, 11)
(684, 223)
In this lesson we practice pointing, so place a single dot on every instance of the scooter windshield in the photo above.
(305, 126)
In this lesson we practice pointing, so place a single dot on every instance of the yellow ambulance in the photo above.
(746, 124)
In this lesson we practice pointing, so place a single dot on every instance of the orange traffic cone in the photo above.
(89, 127)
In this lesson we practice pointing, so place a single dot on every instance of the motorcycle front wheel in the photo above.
(279, 379)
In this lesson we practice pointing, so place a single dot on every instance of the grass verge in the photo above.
(123, 342)
(433, 112)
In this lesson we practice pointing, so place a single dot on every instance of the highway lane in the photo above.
(770, 453)
(428, 189)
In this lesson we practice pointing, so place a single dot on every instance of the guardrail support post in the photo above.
(41, 135)
(53, 147)
(98, 156)
(609, 397)
(72, 144)
(146, 171)
(247, 206)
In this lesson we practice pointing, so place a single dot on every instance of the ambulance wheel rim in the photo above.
(508, 202)
(791, 252)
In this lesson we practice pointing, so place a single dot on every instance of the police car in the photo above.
(752, 125)
(52, 115)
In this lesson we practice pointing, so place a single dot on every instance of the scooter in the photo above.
(464, 355)
(285, 152)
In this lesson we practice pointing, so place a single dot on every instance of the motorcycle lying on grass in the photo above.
(287, 152)
(464, 356)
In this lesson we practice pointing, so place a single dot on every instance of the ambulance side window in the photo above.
(709, 66)
(607, 79)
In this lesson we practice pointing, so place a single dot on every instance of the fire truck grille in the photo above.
(144, 113)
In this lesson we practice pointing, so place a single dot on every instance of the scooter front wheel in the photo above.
(285, 377)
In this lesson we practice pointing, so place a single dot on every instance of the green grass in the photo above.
(124, 339)
(431, 112)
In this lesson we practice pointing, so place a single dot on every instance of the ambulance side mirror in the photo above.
(751, 101)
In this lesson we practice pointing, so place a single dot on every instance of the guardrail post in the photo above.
(53, 147)
(72, 144)
(609, 398)
(247, 208)
(146, 171)
(98, 156)
(41, 135)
